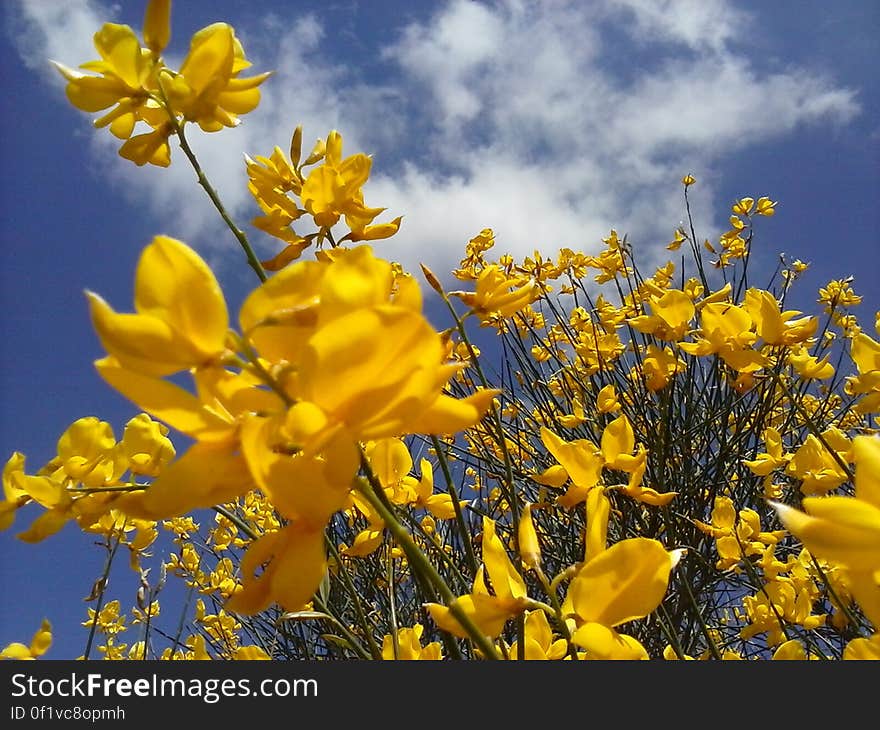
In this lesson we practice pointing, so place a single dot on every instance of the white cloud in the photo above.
(696, 24)
(513, 115)
(56, 30)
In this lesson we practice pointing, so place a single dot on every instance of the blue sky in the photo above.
(550, 122)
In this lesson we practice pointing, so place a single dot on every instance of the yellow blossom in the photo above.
(39, 645)
(488, 612)
(818, 470)
(180, 320)
(623, 583)
(846, 530)
(208, 89)
(497, 294)
(409, 646)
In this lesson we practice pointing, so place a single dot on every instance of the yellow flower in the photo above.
(774, 326)
(864, 649)
(333, 189)
(285, 567)
(441, 506)
(617, 445)
(126, 80)
(540, 642)
(146, 445)
(765, 206)
(135, 82)
(816, 467)
(305, 486)
(809, 367)
(659, 367)
(582, 462)
(497, 294)
(180, 320)
(87, 453)
(607, 400)
(250, 653)
(488, 612)
(726, 331)
(529, 546)
(621, 584)
(846, 530)
(743, 206)
(208, 90)
(670, 318)
(39, 645)
(409, 646)
(774, 458)
(157, 25)
(213, 470)
(838, 293)
(14, 496)
(865, 353)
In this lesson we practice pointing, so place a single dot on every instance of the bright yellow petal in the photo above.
(506, 580)
(46, 525)
(552, 476)
(42, 639)
(604, 643)
(791, 650)
(141, 344)
(121, 49)
(865, 588)
(299, 486)
(298, 571)
(366, 542)
(210, 58)
(625, 582)
(598, 511)
(165, 401)
(205, 475)
(844, 530)
(250, 653)
(16, 650)
(618, 440)
(254, 595)
(866, 454)
(487, 612)
(529, 546)
(157, 25)
(174, 284)
(863, 649)
(447, 415)
(390, 460)
(579, 458)
(865, 353)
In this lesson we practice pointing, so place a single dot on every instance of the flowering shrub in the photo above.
(667, 465)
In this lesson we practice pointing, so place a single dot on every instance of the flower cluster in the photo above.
(677, 464)
(328, 192)
(132, 83)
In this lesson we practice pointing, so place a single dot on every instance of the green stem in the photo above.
(419, 561)
(252, 259)
(557, 610)
(236, 520)
(811, 426)
(355, 597)
(208, 188)
(459, 516)
(350, 637)
(394, 638)
(105, 577)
